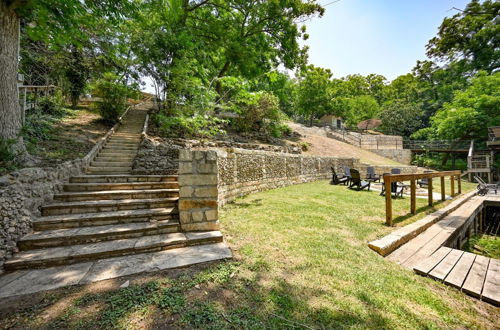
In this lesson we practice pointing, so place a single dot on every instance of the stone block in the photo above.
(210, 191)
(185, 216)
(188, 204)
(199, 155)
(207, 168)
(185, 167)
(197, 216)
(185, 155)
(186, 191)
(212, 215)
(211, 155)
(201, 226)
(197, 179)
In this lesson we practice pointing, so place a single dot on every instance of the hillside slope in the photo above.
(321, 145)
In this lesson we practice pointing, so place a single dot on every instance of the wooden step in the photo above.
(122, 178)
(82, 235)
(117, 153)
(107, 206)
(116, 194)
(126, 148)
(42, 258)
(104, 218)
(119, 186)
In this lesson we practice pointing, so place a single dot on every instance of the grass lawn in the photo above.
(486, 245)
(301, 261)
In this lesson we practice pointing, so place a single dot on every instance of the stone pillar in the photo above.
(198, 194)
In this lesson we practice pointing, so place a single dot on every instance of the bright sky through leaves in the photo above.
(375, 36)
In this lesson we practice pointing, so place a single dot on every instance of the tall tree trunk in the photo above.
(10, 110)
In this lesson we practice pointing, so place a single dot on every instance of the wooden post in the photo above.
(443, 193)
(429, 191)
(413, 197)
(459, 183)
(388, 200)
(452, 183)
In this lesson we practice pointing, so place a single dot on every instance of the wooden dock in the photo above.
(475, 275)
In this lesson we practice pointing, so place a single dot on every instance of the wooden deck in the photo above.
(439, 234)
(475, 275)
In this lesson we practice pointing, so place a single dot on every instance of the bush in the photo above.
(113, 97)
(7, 155)
(201, 126)
(52, 105)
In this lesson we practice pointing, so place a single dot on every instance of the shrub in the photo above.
(52, 105)
(113, 97)
(201, 126)
(7, 155)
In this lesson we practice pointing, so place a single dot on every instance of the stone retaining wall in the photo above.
(156, 157)
(22, 193)
(402, 156)
(241, 172)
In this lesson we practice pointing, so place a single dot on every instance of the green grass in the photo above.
(483, 244)
(301, 261)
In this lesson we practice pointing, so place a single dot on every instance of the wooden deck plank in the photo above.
(446, 265)
(474, 282)
(458, 274)
(491, 288)
(426, 265)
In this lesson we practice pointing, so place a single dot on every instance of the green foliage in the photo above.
(314, 98)
(471, 111)
(470, 37)
(198, 125)
(360, 108)
(113, 97)
(258, 112)
(52, 105)
(486, 245)
(7, 155)
(400, 118)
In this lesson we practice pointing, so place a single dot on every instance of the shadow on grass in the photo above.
(211, 297)
(423, 209)
(241, 204)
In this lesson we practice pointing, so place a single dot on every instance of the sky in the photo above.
(375, 36)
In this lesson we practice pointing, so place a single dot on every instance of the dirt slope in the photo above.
(320, 145)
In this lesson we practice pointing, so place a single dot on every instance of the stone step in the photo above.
(107, 206)
(82, 235)
(121, 144)
(122, 178)
(111, 164)
(106, 148)
(103, 218)
(117, 153)
(42, 258)
(116, 194)
(100, 159)
(109, 170)
(119, 186)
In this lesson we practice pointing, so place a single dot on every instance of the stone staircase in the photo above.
(108, 212)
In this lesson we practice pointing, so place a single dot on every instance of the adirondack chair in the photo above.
(397, 189)
(371, 175)
(357, 183)
(336, 180)
(483, 187)
(424, 181)
(347, 174)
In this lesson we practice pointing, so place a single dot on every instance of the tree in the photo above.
(58, 20)
(313, 93)
(360, 108)
(400, 118)
(470, 37)
(472, 111)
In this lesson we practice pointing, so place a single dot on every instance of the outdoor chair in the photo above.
(347, 174)
(483, 187)
(336, 180)
(357, 183)
(397, 188)
(424, 181)
(371, 175)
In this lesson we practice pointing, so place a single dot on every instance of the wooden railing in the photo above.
(390, 178)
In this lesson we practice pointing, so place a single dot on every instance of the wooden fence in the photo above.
(390, 178)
